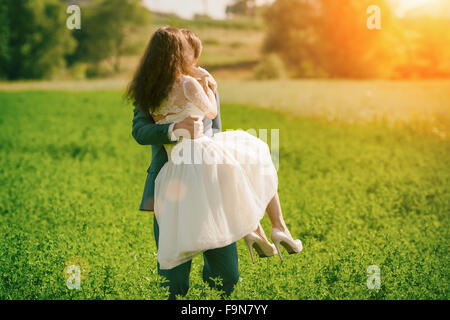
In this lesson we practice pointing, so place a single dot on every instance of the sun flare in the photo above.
(405, 5)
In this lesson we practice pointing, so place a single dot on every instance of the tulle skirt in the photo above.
(211, 193)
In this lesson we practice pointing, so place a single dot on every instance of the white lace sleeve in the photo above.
(194, 92)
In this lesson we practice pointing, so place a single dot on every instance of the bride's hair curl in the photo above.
(167, 56)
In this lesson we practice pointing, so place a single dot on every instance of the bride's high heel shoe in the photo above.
(262, 246)
(279, 237)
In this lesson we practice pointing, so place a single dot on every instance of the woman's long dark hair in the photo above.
(168, 55)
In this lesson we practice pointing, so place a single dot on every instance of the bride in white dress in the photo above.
(214, 190)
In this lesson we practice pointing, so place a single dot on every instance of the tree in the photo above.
(4, 40)
(427, 48)
(107, 30)
(292, 34)
(34, 38)
(242, 8)
(351, 49)
(327, 37)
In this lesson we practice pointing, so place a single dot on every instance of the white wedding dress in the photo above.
(213, 190)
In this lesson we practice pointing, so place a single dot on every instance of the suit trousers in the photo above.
(218, 263)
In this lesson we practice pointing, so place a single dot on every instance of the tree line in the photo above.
(329, 38)
(35, 42)
(314, 38)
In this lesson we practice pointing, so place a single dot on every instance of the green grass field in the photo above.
(72, 176)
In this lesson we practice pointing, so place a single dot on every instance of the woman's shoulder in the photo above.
(189, 81)
(187, 78)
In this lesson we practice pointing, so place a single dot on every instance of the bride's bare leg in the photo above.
(260, 231)
(280, 236)
(280, 233)
(276, 215)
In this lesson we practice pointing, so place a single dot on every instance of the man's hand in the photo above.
(205, 79)
(212, 86)
(205, 84)
(191, 128)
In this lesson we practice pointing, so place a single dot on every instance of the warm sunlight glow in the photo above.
(413, 3)
(405, 5)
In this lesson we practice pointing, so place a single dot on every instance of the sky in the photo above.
(187, 8)
(216, 8)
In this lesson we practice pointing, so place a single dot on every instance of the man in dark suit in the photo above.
(218, 263)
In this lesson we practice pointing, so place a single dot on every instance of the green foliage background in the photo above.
(107, 31)
(71, 179)
(330, 39)
(34, 38)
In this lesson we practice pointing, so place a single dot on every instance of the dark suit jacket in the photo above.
(146, 132)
